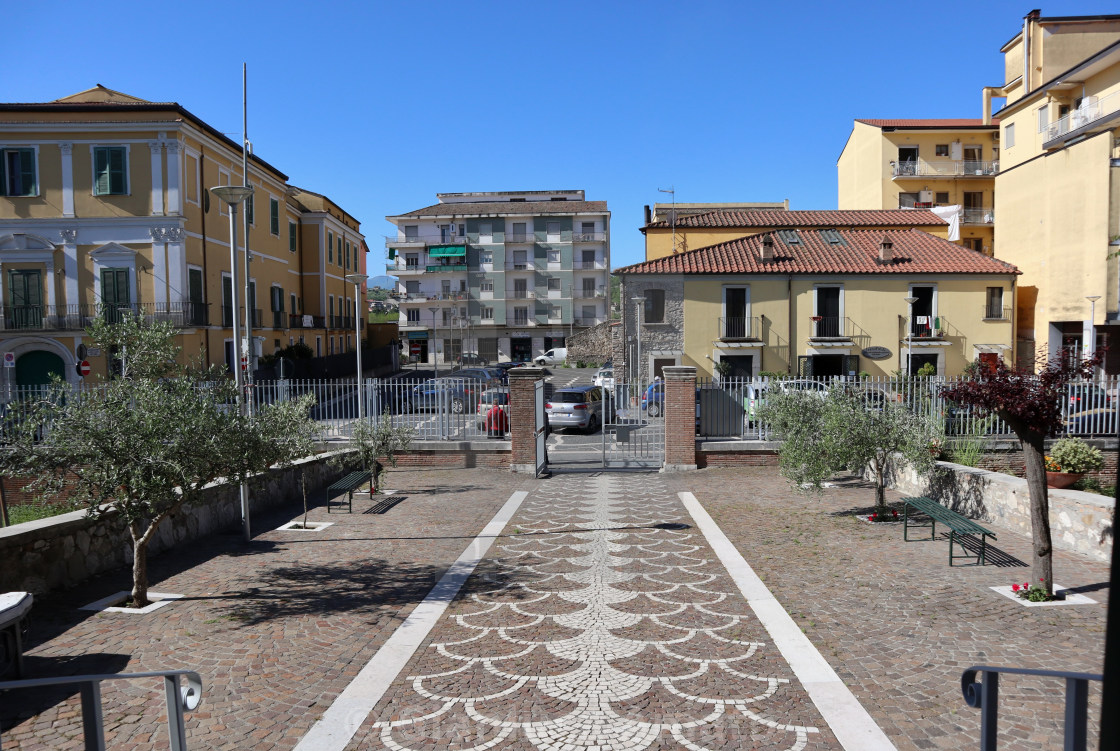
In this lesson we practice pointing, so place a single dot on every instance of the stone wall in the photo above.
(62, 551)
(658, 339)
(1081, 522)
(590, 346)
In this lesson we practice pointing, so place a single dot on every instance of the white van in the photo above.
(555, 356)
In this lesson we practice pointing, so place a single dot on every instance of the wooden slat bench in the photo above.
(14, 607)
(347, 485)
(957, 524)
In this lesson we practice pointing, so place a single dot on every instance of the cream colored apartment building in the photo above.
(105, 207)
(929, 164)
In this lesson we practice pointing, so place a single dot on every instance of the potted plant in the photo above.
(1069, 460)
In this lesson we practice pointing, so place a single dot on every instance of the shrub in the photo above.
(1074, 455)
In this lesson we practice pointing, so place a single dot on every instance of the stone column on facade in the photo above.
(522, 420)
(680, 418)
(174, 172)
(159, 267)
(176, 265)
(70, 268)
(67, 152)
(157, 177)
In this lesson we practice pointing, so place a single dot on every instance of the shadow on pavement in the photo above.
(17, 706)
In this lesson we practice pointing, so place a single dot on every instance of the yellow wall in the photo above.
(875, 307)
(862, 171)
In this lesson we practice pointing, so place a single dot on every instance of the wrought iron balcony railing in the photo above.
(830, 327)
(736, 327)
(945, 168)
(979, 216)
(928, 327)
(78, 317)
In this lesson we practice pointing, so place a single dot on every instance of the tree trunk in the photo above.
(303, 487)
(139, 567)
(1042, 565)
(374, 476)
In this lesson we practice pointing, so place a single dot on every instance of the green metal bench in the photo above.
(957, 524)
(348, 485)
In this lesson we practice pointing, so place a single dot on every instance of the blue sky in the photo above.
(382, 105)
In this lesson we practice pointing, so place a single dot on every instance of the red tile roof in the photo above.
(504, 208)
(825, 218)
(854, 252)
(942, 122)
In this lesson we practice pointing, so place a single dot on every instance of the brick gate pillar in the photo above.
(522, 421)
(680, 418)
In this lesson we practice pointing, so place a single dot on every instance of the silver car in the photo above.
(576, 407)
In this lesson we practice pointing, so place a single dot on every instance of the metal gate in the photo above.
(634, 426)
(540, 430)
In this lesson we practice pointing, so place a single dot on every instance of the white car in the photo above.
(555, 356)
(604, 379)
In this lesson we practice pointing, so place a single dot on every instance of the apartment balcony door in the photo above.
(114, 293)
(907, 160)
(25, 293)
(923, 311)
(828, 312)
(520, 289)
(735, 312)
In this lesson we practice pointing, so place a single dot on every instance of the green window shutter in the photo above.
(117, 182)
(292, 236)
(330, 247)
(347, 255)
(27, 172)
(274, 216)
(101, 171)
(109, 171)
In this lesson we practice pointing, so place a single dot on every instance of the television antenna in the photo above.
(672, 214)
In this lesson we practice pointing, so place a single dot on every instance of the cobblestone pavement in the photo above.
(595, 623)
(898, 624)
(276, 628)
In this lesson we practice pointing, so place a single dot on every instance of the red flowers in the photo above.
(1014, 587)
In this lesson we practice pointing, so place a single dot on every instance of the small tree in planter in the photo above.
(376, 440)
(1031, 405)
(1074, 456)
(823, 436)
(146, 443)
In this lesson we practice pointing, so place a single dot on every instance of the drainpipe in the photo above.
(789, 296)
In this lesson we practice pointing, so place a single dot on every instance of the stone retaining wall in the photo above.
(62, 551)
(1080, 522)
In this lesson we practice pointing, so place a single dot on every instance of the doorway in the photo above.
(907, 160)
(35, 368)
(521, 349)
(741, 366)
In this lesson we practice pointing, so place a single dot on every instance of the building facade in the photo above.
(506, 275)
(931, 163)
(105, 208)
(817, 302)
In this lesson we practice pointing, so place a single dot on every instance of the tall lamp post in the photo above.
(910, 335)
(358, 280)
(435, 358)
(639, 302)
(1092, 348)
(235, 195)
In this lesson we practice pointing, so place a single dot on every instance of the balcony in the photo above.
(424, 241)
(736, 328)
(994, 311)
(521, 294)
(589, 237)
(401, 267)
(947, 168)
(831, 327)
(589, 264)
(985, 217)
(306, 322)
(434, 296)
(443, 268)
(227, 317)
(78, 317)
(522, 322)
(1092, 116)
(928, 327)
(520, 237)
(589, 320)
(590, 294)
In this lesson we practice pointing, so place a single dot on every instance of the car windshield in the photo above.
(569, 397)
(494, 397)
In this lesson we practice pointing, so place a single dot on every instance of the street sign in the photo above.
(9, 359)
(83, 368)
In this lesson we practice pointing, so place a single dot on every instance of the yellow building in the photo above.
(664, 236)
(105, 207)
(820, 302)
(1058, 188)
(926, 163)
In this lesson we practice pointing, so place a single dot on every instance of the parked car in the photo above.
(436, 393)
(490, 398)
(506, 367)
(576, 407)
(469, 359)
(555, 356)
(653, 398)
(1099, 421)
(1084, 396)
(604, 379)
(490, 376)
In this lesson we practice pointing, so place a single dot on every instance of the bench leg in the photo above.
(983, 548)
(952, 539)
(350, 502)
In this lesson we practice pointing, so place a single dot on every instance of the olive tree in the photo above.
(377, 440)
(142, 445)
(823, 434)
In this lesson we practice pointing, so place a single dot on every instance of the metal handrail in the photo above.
(178, 698)
(1089, 112)
(979, 216)
(78, 317)
(985, 697)
(945, 168)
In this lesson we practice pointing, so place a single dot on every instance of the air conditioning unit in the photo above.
(925, 196)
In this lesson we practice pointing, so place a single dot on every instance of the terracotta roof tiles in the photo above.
(937, 122)
(823, 218)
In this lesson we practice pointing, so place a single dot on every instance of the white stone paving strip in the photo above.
(343, 718)
(849, 721)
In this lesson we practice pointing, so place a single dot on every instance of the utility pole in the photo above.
(250, 302)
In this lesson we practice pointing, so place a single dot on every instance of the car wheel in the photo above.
(654, 409)
(592, 424)
(457, 406)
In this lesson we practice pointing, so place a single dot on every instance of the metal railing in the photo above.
(735, 327)
(521, 294)
(978, 216)
(996, 312)
(296, 321)
(830, 327)
(578, 264)
(79, 317)
(928, 327)
(227, 316)
(177, 698)
(589, 320)
(985, 697)
(945, 168)
(445, 267)
(588, 237)
(1088, 113)
(588, 294)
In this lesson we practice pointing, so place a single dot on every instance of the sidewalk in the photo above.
(593, 618)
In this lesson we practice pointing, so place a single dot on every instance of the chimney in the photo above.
(886, 250)
(766, 254)
(648, 217)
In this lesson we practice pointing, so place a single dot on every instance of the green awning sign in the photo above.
(447, 251)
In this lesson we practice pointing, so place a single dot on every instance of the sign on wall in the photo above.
(876, 353)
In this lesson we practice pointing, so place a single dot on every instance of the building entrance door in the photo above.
(521, 349)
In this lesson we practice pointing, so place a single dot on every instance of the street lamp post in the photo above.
(910, 335)
(358, 280)
(1092, 346)
(435, 358)
(639, 301)
(235, 195)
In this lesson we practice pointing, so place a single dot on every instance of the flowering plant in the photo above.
(884, 517)
(1052, 465)
(1032, 592)
(1074, 455)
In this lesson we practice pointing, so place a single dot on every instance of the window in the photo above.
(486, 256)
(347, 255)
(486, 232)
(518, 232)
(330, 312)
(973, 243)
(18, 169)
(588, 230)
(462, 230)
(292, 302)
(554, 313)
(292, 242)
(330, 247)
(486, 285)
(588, 257)
(654, 308)
(487, 313)
(412, 261)
(994, 308)
(519, 259)
(274, 216)
(277, 301)
(412, 287)
(553, 285)
(1043, 118)
(588, 287)
(411, 232)
(907, 200)
(552, 229)
(941, 149)
(942, 197)
(1009, 135)
(554, 256)
(249, 209)
(412, 315)
(110, 170)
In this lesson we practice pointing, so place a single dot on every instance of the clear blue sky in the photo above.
(381, 105)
